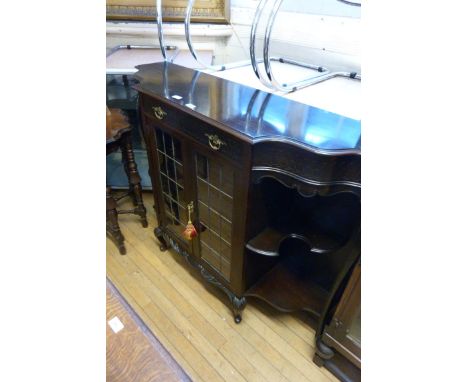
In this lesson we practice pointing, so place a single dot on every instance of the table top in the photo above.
(116, 124)
(251, 113)
(339, 95)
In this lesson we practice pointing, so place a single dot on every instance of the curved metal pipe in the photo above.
(327, 76)
(188, 37)
(253, 38)
(160, 32)
(290, 87)
(267, 59)
(353, 3)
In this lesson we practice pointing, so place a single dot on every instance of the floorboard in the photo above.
(133, 353)
(194, 322)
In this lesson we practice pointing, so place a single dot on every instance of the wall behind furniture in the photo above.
(323, 32)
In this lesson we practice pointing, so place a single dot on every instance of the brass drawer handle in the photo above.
(159, 113)
(214, 141)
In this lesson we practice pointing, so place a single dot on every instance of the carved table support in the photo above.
(112, 226)
(130, 166)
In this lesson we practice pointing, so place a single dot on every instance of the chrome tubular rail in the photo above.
(164, 48)
(285, 87)
(188, 37)
(253, 39)
(352, 75)
(353, 3)
(118, 47)
(268, 78)
(160, 31)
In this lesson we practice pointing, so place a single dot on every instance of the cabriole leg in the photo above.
(159, 235)
(238, 305)
(322, 352)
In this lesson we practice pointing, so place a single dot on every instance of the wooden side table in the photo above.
(118, 136)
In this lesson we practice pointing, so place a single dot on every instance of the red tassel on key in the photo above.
(190, 231)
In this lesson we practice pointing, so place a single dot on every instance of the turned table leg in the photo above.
(134, 180)
(113, 228)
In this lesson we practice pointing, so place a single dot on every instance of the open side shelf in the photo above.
(290, 286)
(300, 247)
(268, 241)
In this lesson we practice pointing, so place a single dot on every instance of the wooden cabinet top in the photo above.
(250, 114)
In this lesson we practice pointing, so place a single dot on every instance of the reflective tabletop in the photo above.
(257, 115)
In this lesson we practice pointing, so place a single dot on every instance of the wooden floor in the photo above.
(194, 322)
(132, 352)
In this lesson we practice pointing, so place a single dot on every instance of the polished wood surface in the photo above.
(193, 319)
(249, 113)
(116, 124)
(133, 353)
(286, 288)
(297, 181)
(232, 158)
(343, 333)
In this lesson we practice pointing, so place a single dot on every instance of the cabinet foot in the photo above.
(322, 352)
(238, 305)
(159, 235)
(122, 249)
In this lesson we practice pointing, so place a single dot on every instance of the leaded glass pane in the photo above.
(215, 203)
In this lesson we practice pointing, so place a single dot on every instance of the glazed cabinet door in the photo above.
(215, 209)
(173, 182)
(344, 331)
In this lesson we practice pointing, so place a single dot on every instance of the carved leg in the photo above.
(319, 361)
(159, 235)
(238, 305)
(322, 352)
(113, 228)
(131, 189)
(134, 180)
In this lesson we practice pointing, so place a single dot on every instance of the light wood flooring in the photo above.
(132, 352)
(194, 322)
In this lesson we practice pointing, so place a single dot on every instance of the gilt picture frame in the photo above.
(205, 11)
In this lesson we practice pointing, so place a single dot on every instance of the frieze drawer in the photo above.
(209, 136)
(213, 138)
(160, 111)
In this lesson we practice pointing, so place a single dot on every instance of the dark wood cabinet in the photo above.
(273, 186)
(207, 171)
(343, 333)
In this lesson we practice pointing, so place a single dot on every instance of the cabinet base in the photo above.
(238, 303)
(336, 363)
(159, 235)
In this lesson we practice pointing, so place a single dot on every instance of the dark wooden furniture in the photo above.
(118, 136)
(339, 346)
(274, 186)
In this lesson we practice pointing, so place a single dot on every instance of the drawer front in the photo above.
(160, 111)
(209, 136)
(216, 140)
